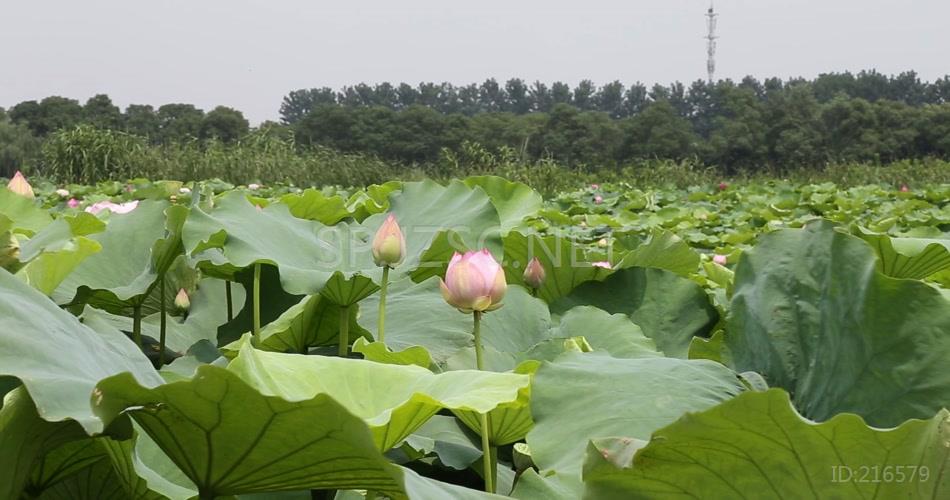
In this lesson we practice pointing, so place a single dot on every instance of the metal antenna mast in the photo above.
(711, 41)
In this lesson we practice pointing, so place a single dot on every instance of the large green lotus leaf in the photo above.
(449, 440)
(417, 315)
(96, 482)
(229, 439)
(372, 200)
(670, 309)
(915, 258)
(439, 220)
(274, 302)
(26, 216)
(145, 471)
(236, 234)
(513, 200)
(47, 271)
(583, 396)
(663, 250)
(60, 464)
(58, 233)
(394, 399)
(378, 352)
(758, 444)
(136, 248)
(565, 264)
(614, 333)
(25, 438)
(59, 359)
(314, 205)
(551, 486)
(812, 314)
(348, 291)
(511, 421)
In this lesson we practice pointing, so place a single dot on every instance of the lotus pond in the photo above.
(473, 340)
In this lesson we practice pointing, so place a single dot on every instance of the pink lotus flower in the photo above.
(604, 264)
(72, 203)
(182, 301)
(20, 186)
(595, 186)
(116, 208)
(62, 193)
(719, 259)
(534, 273)
(253, 187)
(389, 245)
(904, 188)
(598, 199)
(723, 186)
(474, 282)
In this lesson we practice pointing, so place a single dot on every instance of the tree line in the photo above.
(746, 125)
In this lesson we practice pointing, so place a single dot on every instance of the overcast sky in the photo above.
(248, 53)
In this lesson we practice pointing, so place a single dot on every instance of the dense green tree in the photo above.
(737, 139)
(142, 120)
(658, 132)
(101, 113)
(179, 122)
(225, 124)
(849, 127)
(50, 114)
(19, 149)
(298, 103)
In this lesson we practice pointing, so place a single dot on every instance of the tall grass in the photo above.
(88, 155)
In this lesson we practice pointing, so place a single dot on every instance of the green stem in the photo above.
(162, 324)
(344, 331)
(487, 462)
(137, 324)
(227, 291)
(257, 299)
(381, 321)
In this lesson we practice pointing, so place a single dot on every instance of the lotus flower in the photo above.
(474, 282)
(72, 203)
(185, 190)
(389, 245)
(20, 186)
(723, 186)
(598, 199)
(182, 301)
(595, 186)
(602, 243)
(62, 193)
(116, 208)
(253, 187)
(904, 188)
(604, 264)
(719, 259)
(534, 273)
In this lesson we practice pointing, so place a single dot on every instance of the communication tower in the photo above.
(711, 42)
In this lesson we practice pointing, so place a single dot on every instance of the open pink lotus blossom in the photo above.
(389, 245)
(474, 282)
(604, 264)
(534, 273)
(20, 186)
(72, 203)
(719, 259)
(598, 199)
(116, 208)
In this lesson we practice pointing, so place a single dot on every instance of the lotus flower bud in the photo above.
(904, 188)
(253, 187)
(595, 186)
(72, 203)
(604, 264)
(389, 245)
(474, 282)
(534, 273)
(719, 259)
(20, 186)
(182, 301)
(602, 243)
(723, 186)
(184, 190)
(598, 199)
(62, 193)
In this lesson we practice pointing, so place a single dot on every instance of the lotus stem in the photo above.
(162, 323)
(137, 325)
(381, 321)
(227, 291)
(344, 331)
(487, 462)
(257, 299)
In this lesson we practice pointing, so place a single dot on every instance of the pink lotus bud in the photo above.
(595, 186)
(904, 188)
(474, 282)
(602, 243)
(389, 245)
(72, 203)
(604, 264)
(598, 199)
(20, 186)
(116, 208)
(62, 193)
(182, 301)
(719, 259)
(723, 186)
(534, 273)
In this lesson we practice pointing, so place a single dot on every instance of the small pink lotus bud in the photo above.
(474, 282)
(595, 186)
(182, 301)
(534, 273)
(72, 203)
(604, 264)
(723, 186)
(904, 188)
(389, 245)
(62, 193)
(719, 259)
(598, 199)
(20, 186)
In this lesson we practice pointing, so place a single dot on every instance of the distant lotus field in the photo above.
(473, 340)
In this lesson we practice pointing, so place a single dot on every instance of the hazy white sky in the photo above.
(249, 53)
